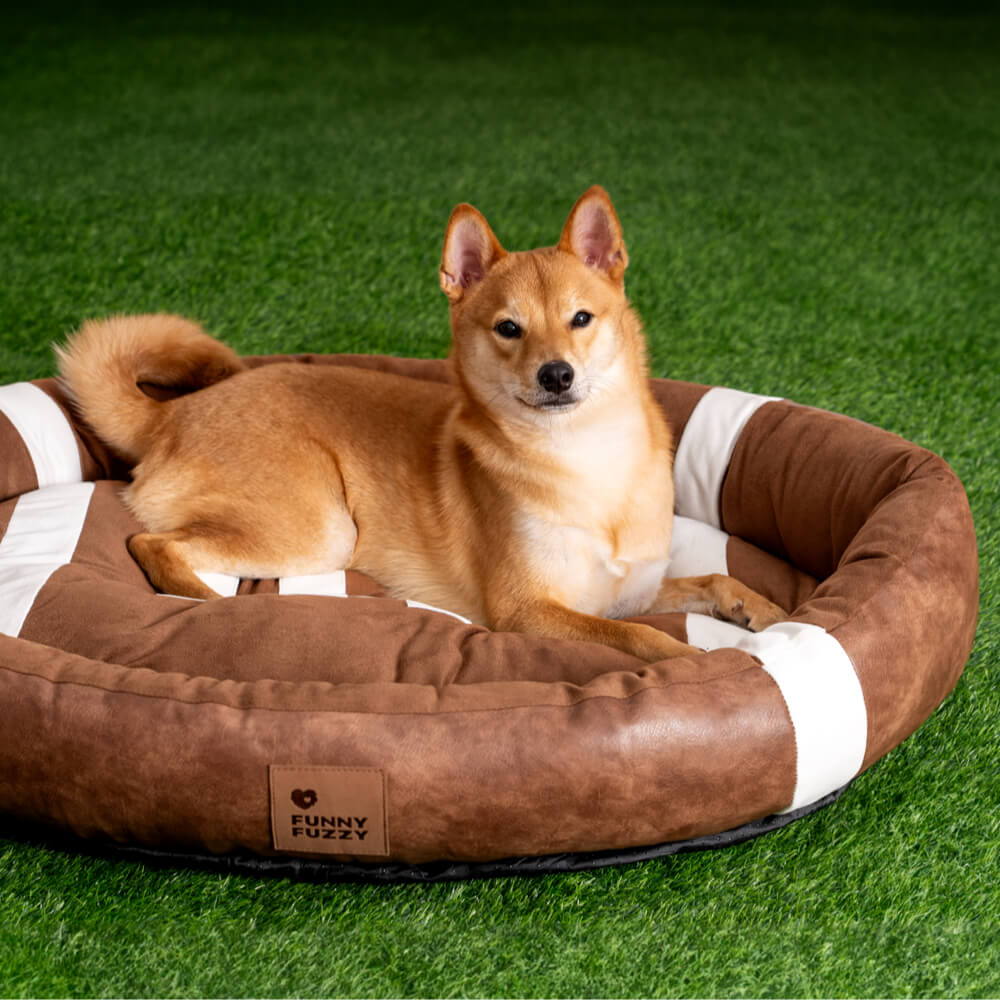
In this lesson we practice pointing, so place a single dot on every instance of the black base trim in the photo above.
(392, 872)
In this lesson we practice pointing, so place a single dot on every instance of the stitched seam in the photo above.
(753, 665)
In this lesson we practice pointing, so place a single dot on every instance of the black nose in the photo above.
(555, 376)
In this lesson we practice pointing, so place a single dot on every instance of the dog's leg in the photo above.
(167, 560)
(547, 618)
(719, 596)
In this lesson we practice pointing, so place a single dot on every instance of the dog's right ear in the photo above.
(470, 250)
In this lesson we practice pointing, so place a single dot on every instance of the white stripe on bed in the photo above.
(46, 433)
(821, 689)
(41, 537)
(335, 585)
(696, 548)
(705, 449)
(321, 584)
(440, 611)
(224, 584)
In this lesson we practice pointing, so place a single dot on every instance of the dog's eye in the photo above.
(582, 318)
(508, 328)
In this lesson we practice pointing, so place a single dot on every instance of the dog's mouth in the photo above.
(552, 403)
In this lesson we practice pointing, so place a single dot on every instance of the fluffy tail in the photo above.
(104, 362)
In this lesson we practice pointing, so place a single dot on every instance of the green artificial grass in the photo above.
(811, 201)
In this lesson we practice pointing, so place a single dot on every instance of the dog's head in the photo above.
(541, 333)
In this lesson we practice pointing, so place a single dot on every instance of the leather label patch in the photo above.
(328, 810)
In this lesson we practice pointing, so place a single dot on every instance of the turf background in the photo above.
(811, 200)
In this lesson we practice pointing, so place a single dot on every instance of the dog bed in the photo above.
(315, 726)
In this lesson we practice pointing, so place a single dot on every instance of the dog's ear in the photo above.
(470, 250)
(594, 234)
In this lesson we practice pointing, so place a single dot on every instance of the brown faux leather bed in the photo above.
(314, 726)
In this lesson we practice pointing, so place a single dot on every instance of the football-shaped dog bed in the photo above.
(313, 725)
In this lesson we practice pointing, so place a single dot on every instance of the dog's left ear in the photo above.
(594, 234)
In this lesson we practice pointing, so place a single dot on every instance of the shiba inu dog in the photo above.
(532, 494)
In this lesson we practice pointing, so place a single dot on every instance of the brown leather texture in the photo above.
(17, 474)
(887, 528)
(155, 720)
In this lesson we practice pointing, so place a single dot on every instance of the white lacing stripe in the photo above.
(46, 433)
(41, 537)
(320, 584)
(440, 611)
(697, 548)
(224, 584)
(820, 688)
(705, 449)
(335, 585)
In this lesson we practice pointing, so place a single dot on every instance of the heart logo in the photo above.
(304, 799)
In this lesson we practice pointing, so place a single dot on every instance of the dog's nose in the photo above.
(555, 376)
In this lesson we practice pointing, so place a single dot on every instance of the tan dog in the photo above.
(533, 495)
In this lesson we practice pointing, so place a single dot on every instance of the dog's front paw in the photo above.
(751, 611)
(761, 613)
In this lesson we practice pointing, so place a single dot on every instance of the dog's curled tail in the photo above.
(103, 363)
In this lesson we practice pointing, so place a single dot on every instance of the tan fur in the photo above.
(483, 498)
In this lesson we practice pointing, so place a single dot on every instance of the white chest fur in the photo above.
(603, 548)
(581, 569)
